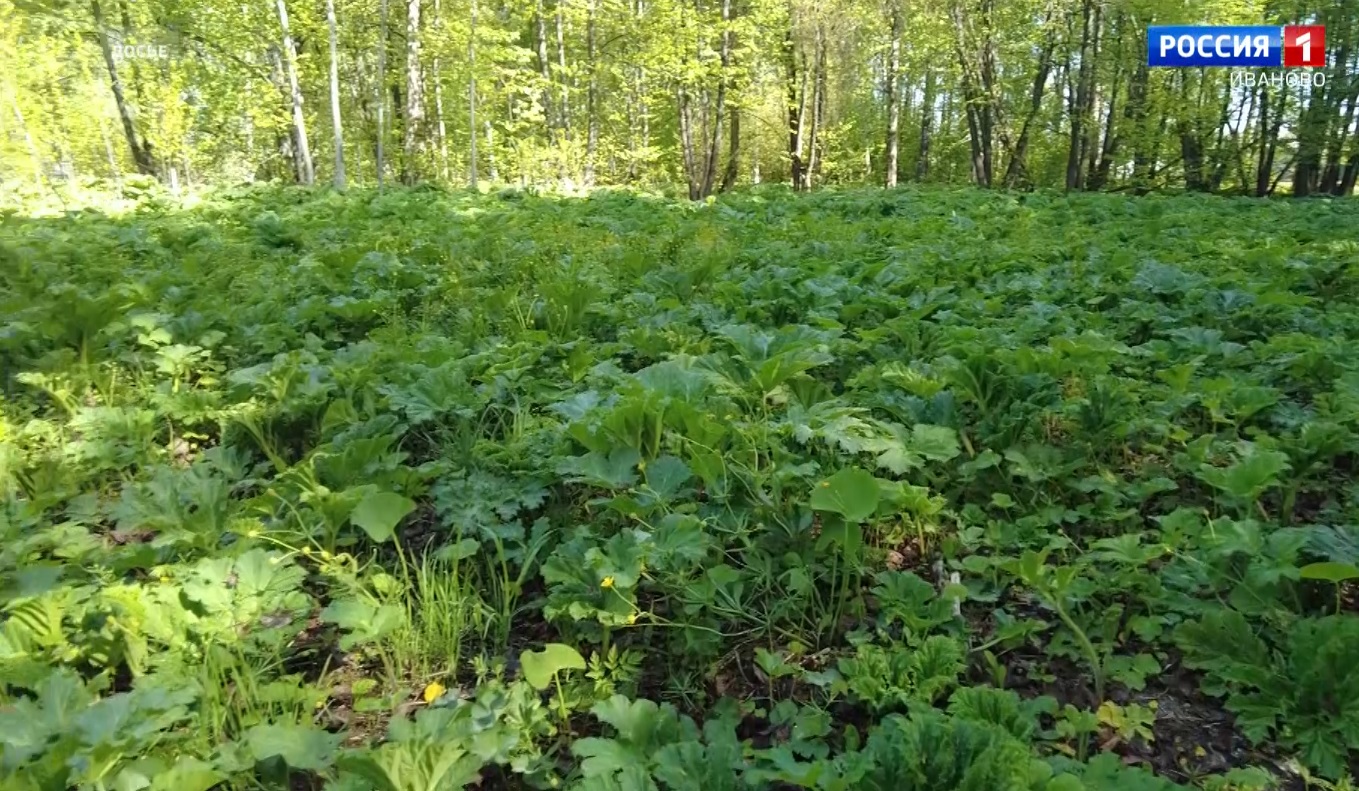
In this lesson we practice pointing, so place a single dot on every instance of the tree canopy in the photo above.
(704, 93)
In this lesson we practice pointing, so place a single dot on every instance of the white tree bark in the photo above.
(415, 105)
(381, 93)
(306, 172)
(441, 128)
(335, 99)
(472, 100)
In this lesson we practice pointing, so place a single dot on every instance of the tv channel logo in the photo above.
(1256, 46)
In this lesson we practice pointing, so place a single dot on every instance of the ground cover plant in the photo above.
(892, 490)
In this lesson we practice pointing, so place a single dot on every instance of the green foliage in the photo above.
(1300, 693)
(632, 493)
(890, 678)
(932, 751)
(541, 667)
(379, 512)
(851, 493)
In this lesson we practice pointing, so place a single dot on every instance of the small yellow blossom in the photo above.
(434, 691)
(253, 534)
(607, 582)
(632, 618)
(306, 550)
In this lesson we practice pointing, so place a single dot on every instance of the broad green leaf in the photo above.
(636, 721)
(300, 746)
(851, 493)
(618, 470)
(365, 621)
(540, 667)
(1249, 477)
(666, 475)
(379, 513)
(936, 443)
(188, 774)
(1329, 571)
(849, 536)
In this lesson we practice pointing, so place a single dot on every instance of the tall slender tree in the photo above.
(306, 173)
(141, 149)
(380, 92)
(415, 97)
(337, 126)
(892, 94)
(472, 99)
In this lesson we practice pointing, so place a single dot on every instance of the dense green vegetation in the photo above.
(864, 490)
(708, 94)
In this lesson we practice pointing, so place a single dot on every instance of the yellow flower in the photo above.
(253, 534)
(607, 582)
(632, 618)
(434, 691)
(306, 550)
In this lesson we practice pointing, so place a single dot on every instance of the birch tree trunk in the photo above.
(591, 97)
(472, 101)
(561, 70)
(494, 173)
(796, 99)
(305, 170)
(818, 106)
(1016, 170)
(441, 128)
(715, 141)
(415, 105)
(687, 142)
(1084, 102)
(381, 92)
(733, 166)
(922, 159)
(545, 72)
(733, 151)
(639, 138)
(335, 98)
(893, 97)
(141, 150)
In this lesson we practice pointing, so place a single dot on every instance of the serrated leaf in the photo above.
(667, 475)
(936, 443)
(365, 621)
(1248, 477)
(604, 757)
(618, 470)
